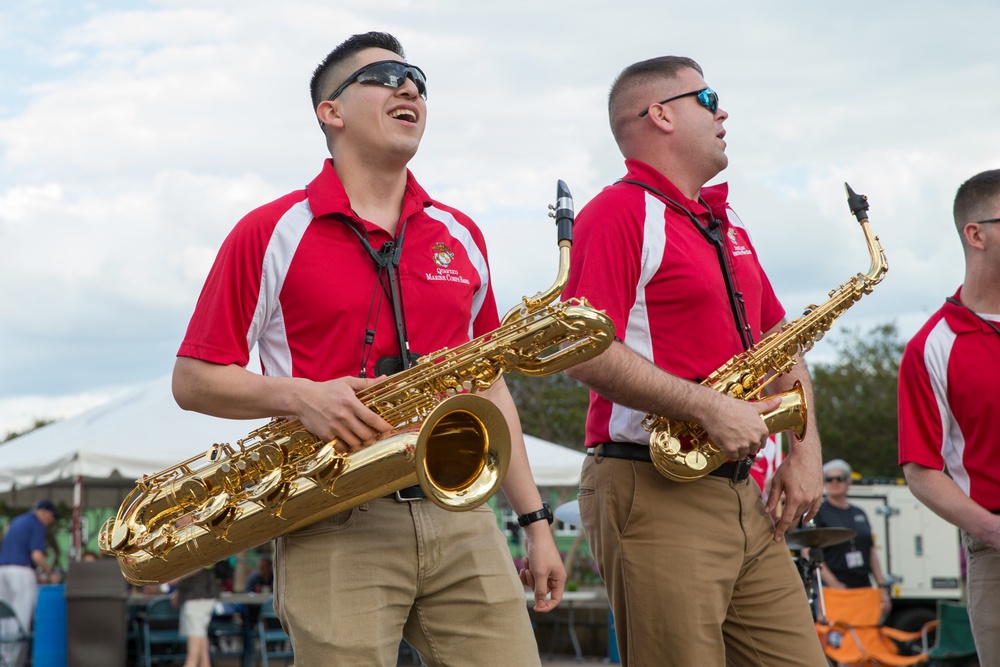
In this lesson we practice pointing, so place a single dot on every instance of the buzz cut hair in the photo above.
(331, 71)
(977, 199)
(621, 97)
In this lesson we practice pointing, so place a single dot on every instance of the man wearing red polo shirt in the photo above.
(338, 284)
(697, 572)
(949, 407)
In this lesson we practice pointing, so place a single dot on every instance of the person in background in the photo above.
(852, 564)
(949, 407)
(697, 572)
(224, 573)
(338, 284)
(195, 596)
(23, 565)
(262, 579)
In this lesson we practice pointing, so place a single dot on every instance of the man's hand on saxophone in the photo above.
(327, 409)
(332, 410)
(735, 427)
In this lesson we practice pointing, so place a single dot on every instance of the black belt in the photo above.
(734, 470)
(409, 494)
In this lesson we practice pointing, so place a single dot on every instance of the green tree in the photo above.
(552, 408)
(38, 424)
(856, 400)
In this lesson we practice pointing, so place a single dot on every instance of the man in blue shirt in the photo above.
(22, 551)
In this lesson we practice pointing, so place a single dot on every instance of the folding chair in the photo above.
(161, 637)
(954, 644)
(274, 643)
(225, 632)
(12, 635)
(852, 635)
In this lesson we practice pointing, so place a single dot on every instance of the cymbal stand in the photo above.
(809, 570)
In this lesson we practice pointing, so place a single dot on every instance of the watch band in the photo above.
(531, 517)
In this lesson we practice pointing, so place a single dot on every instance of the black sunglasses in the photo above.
(707, 98)
(388, 73)
(839, 478)
(986, 222)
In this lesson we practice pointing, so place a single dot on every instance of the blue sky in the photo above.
(133, 135)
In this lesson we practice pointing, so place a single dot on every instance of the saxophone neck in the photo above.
(859, 207)
(543, 299)
(563, 213)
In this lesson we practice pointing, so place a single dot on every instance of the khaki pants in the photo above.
(983, 581)
(692, 571)
(349, 587)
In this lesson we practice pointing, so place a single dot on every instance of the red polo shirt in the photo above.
(294, 279)
(949, 405)
(644, 263)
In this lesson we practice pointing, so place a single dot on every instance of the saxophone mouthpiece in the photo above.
(857, 203)
(564, 213)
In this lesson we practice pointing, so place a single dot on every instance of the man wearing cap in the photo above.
(23, 551)
(852, 564)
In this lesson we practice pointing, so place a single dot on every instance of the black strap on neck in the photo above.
(712, 233)
(952, 300)
(386, 259)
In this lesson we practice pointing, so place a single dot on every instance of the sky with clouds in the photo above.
(134, 134)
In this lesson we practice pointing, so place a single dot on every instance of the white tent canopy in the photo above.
(553, 465)
(144, 432)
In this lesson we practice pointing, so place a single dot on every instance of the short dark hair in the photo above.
(662, 67)
(336, 60)
(976, 198)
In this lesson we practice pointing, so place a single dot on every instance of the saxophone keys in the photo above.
(118, 536)
(211, 511)
(667, 443)
(696, 460)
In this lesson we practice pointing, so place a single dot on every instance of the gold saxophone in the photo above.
(747, 374)
(452, 442)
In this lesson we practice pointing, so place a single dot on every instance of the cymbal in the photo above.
(808, 538)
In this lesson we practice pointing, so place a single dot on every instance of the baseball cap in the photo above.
(837, 464)
(46, 504)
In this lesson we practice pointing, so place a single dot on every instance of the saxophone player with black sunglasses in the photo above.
(339, 284)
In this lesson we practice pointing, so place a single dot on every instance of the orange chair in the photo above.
(852, 634)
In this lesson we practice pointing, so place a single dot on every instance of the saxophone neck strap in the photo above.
(712, 233)
(386, 259)
(955, 302)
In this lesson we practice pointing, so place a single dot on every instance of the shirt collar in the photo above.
(715, 196)
(327, 196)
(962, 320)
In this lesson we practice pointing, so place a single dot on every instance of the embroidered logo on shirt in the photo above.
(738, 248)
(443, 255)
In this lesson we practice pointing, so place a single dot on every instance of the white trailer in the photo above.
(920, 550)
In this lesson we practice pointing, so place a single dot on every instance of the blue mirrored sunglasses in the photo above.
(388, 73)
(707, 98)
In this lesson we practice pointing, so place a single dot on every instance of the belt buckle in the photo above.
(742, 467)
